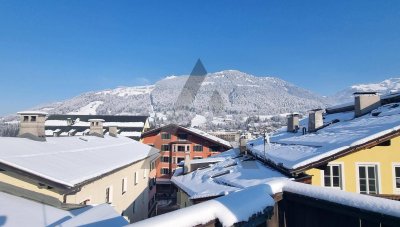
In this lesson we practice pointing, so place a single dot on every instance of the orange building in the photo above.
(175, 142)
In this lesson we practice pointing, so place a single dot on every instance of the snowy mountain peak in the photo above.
(385, 87)
(240, 95)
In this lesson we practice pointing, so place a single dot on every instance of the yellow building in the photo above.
(77, 170)
(374, 170)
(352, 147)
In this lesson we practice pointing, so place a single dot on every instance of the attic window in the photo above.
(33, 118)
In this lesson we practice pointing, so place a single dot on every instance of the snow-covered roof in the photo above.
(364, 202)
(241, 205)
(233, 208)
(23, 212)
(295, 150)
(230, 175)
(72, 160)
(31, 112)
(194, 131)
(209, 136)
(131, 134)
(96, 119)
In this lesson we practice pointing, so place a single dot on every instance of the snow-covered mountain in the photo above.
(385, 87)
(236, 96)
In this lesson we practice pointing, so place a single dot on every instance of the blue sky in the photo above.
(54, 50)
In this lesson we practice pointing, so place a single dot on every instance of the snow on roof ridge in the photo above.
(230, 209)
(32, 112)
(365, 202)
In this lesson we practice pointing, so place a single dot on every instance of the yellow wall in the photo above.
(383, 156)
(29, 186)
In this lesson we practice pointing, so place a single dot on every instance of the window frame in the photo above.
(165, 145)
(341, 176)
(394, 166)
(198, 145)
(124, 185)
(377, 176)
(136, 178)
(165, 133)
(162, 172)
(109, 200)
(179, 137)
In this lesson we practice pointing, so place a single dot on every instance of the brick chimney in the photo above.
(293, 122)
(315, 120)
(365, 102)
(32, 125)
(96, 127)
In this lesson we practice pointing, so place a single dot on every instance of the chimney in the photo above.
(69, 121)
(96, 127)
(187, 167)
(293, 122)
(32, 125)
(365, 102)
(315, 120)
(113, 131)
(243, 144)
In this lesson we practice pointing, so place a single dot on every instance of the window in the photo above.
(26, 118)
(124, 185)
(133, 206)
(136, 177)
(165, 136)
(368, 179)
(164, 171)
(109, 194)
(165, 147)
(182, 136)
(165, 159)
(181, 148)
(33, 118)
(152, 165)
(198, 148)
(197, 157)
(333, 176)
(179, 159)
(214, 148)
(397, 177)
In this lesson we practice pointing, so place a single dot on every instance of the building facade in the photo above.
(176, 142)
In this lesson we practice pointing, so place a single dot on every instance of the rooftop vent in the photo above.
(293, 122)
(32, 125)
(365, 102)
(315, 120)
(96, 127)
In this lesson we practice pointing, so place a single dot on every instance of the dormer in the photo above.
(32, 125)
